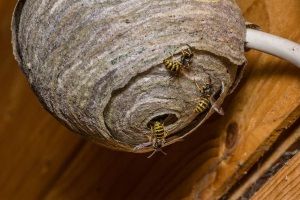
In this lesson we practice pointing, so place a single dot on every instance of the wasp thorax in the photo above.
(110, 80)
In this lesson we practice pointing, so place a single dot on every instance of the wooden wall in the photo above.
(41, 159)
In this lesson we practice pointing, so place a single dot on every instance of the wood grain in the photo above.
(34, 147)
(40, 159)
(267, 103)
(284, 185)
(266, 165)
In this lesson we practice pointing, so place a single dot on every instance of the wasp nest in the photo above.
(98, 66)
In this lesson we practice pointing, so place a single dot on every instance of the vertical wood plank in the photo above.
(34, 147)
(284, 185)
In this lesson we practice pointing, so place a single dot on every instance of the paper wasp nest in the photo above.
(97, 66)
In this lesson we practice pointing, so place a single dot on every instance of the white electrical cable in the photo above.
(273, 45)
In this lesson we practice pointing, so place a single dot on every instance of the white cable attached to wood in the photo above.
(273, 45)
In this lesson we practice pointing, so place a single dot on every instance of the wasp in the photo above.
(158, 137)
(185, 61)
(207, 99)
(204, 103)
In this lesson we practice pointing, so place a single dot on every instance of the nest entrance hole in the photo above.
(166, 119)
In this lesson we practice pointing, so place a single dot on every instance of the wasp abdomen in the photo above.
(172, 65)
(159, 130)
(202, 105)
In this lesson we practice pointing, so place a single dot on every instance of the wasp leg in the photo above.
(151, 154)
(162, 151)
(189, 47)
(155, 151)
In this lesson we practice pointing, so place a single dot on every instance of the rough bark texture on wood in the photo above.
(40, 159)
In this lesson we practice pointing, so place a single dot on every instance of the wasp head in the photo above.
(158, 143)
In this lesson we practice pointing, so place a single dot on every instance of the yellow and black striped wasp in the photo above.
(204, 102)
(185, 60)
(207, 99)
(158, 137)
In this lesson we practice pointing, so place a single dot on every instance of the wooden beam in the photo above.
(284, 185)
(289, 142)
(34, 147)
